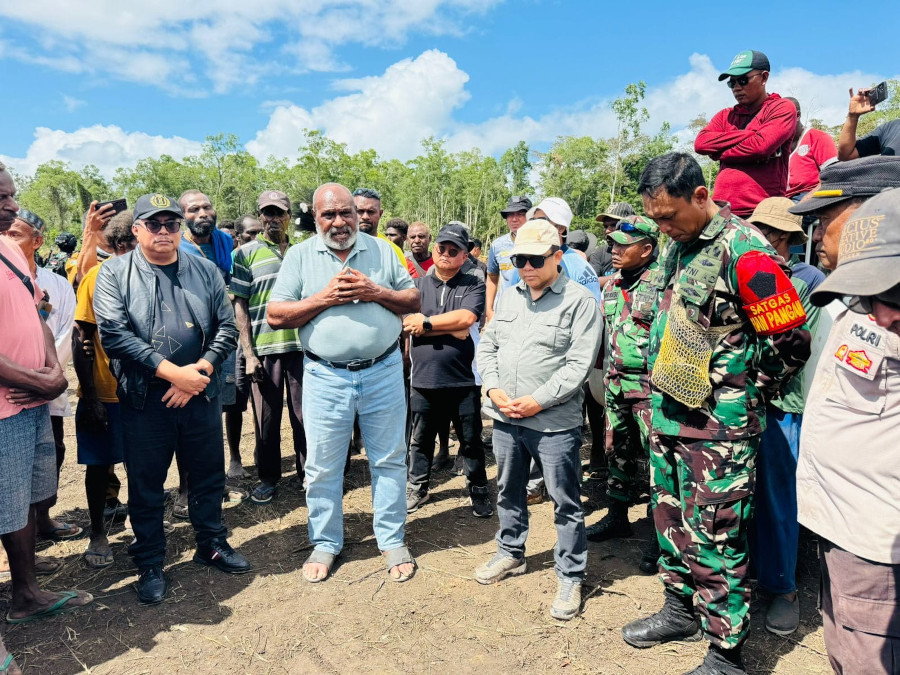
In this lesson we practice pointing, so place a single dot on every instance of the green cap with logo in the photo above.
(745, 62)
(633, 229)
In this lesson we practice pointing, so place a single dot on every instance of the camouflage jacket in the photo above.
(744, 368)
(628, 314)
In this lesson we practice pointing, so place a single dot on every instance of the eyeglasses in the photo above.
(536, 261)
(154, 226)
(450, 251)
(743, 80)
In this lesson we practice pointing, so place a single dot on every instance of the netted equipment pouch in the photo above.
(682, 367)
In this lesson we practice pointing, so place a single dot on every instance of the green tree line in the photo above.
(435, 187)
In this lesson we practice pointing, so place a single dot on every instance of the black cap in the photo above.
(150, 205)
(516, 204)
(453, 234)
(840, 181)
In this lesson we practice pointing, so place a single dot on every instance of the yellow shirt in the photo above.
(104, 382)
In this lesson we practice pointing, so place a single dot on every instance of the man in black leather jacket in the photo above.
(167, 325)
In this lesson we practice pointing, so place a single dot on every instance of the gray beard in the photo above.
(332, 244)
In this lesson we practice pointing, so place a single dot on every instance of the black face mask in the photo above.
(201, 228)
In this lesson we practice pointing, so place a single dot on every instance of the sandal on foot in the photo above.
(320, 558)
(44, 566)
(7, 663)
(396, 557)
(106, 558)
(61, 532)
(61, 606)
(180, 511)
(234, 494)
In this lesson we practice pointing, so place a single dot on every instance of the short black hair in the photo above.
(368, 193)
(398, 224)
(239, 223)
(794, 101)
(677, 172)
(225, 225)
(478, 243)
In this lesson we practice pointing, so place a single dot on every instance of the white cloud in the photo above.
(678, 102)
(419, 97)
(392, 112)
(107, 147)
(195, 47)
(71, 103)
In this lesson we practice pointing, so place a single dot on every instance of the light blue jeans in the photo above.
(332, 397)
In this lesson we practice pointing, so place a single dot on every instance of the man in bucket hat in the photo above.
(848, 476)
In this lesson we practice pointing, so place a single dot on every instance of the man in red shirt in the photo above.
(752, 140)
(811, 151)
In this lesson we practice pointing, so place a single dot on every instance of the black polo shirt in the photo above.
(445, 361)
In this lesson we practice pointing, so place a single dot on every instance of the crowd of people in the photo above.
(719, 372)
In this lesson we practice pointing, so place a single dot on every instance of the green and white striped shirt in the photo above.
(256, 266)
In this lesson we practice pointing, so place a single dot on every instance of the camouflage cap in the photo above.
(616, 211)
(634, 229)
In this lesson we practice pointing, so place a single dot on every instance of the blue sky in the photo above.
(92, 82)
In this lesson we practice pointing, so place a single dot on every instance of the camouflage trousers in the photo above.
(627, 441)
(702, 498)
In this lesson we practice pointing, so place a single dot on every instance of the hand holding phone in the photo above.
(877, 94)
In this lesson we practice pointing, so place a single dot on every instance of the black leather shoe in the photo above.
(152, 586)
(220, 554)
(613, 524)
(675, 621)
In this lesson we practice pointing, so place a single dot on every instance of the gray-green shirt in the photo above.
(544, 348)
(361, 330)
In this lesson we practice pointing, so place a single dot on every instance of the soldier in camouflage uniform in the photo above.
(629, 305)
(729, 329)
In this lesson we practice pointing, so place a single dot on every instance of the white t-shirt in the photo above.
(60, 322)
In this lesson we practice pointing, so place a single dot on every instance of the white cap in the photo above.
(555, 209)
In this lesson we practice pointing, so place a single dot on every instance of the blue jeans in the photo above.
(774, 533)
(332, 398)
(557, 456)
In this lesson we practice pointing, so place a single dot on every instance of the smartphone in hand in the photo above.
(119, 205)
(878, 93)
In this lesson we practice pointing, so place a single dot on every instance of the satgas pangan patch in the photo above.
(776, 314)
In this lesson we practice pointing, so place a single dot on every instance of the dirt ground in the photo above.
(271, 621)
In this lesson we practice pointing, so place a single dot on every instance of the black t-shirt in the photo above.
(443, 360)
(175, 335)
(601, 260)
(885, 140)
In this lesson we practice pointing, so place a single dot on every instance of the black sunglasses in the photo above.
(537, 261)
(154, 226)
(743, 80)
(628, 228)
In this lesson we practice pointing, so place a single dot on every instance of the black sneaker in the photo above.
(152, 586)
(220, 554)
(480, 498)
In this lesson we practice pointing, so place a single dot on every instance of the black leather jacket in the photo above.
(125, 302)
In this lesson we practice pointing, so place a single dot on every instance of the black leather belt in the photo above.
(355, 364)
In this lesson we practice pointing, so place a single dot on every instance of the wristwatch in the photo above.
(426, 324)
